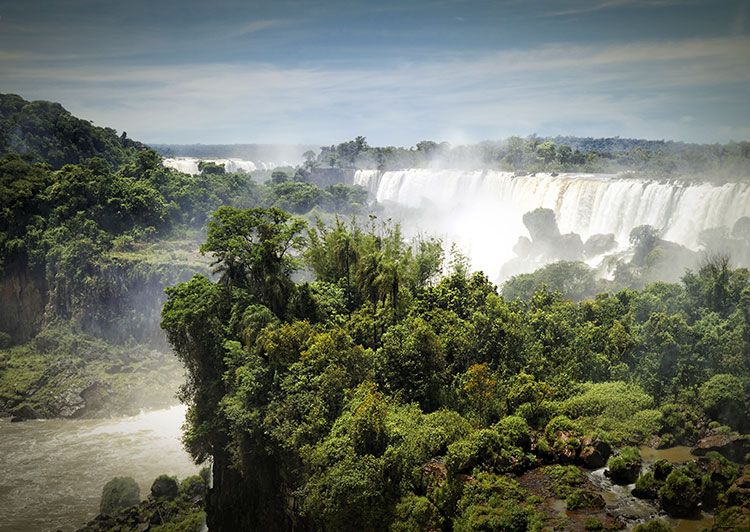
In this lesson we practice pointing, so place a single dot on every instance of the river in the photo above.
(622, 502)
(54, 470)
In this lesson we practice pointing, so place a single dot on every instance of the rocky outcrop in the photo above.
(598, 245)
(23, 413)
(733, 512)
(150, 514)
(119, 383)
(594, 453)
(733, 447)
(23, 298)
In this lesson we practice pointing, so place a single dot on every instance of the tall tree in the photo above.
(252, 249)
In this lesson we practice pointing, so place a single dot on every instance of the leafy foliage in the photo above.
(377, 392)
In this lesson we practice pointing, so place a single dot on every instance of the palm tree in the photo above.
(346, 255)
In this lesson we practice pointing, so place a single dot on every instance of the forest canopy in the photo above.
(342, 390)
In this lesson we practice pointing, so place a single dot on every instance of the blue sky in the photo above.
(323, 72)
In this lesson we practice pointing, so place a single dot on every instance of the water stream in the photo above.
(54, 470)
(637, 510)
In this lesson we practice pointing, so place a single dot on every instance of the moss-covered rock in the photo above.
(719, 475)
(582, 499)
(625, 467)
(165, 486)
(647, 486)
(662, 468)
(183, 512)
(594, 452)
(119, 493)
(679, 496)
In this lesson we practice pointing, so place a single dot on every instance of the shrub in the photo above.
(592, 523)
(193, 522)
(515, 430)
(193, 486)
(653, 526)
(557, 424)
(119, 493)
(164, 486)
(416, 513)
(509, 517)
(616, 400)
(563, 477)
(480, 448)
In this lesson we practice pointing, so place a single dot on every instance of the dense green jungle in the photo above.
(339, 376)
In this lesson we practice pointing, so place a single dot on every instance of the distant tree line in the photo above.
(631, 157)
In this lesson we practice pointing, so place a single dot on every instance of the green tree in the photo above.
(253, 249)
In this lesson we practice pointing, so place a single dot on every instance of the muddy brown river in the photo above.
(54, 470)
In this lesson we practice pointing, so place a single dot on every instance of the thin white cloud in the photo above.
(494, 94)
(253, 26)
(588, 6)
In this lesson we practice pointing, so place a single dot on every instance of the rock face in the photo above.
(570, 247)
(733, 447)
(23, 413)
(23, 297)
(599, 244)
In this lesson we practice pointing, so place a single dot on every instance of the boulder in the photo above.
(164, 486)
(647, 486)
(566, 445)
(732, 447)
(594, 454)
(624, 468)
(599, 244)
(434, 472)
(679, 495)
(23, 413)
(570, 247)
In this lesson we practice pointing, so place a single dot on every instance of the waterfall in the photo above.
(189, 165)
(482, 210)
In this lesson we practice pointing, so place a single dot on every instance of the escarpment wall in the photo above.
(23, 298)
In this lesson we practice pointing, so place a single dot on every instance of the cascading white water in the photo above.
(189, 165)
(482, 210)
